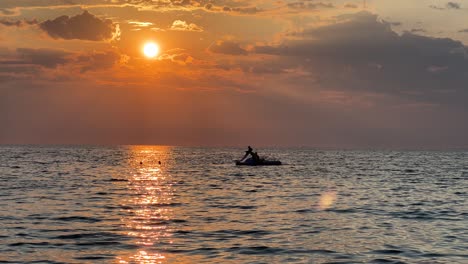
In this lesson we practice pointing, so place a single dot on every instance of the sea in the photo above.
(162, 204)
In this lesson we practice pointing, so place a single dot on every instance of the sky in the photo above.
(326, 74)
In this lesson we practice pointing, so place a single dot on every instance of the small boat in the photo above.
(261, 162)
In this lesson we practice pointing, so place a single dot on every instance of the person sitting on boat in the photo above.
(248, 152)
(255, 157)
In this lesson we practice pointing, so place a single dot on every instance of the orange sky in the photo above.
(390, 74)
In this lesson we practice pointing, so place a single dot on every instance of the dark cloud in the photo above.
(31, 60)
(7, 12)
(227, 47)
(395, 24)
(309, 5)
(97, 60)
(362, 53)
(453, 5)
(246, 10)
(18, 23)
(85, 26)
(417, 30)
(449, 5)
(262, 68)
(17, 70)
(242, 10)
(49, 58)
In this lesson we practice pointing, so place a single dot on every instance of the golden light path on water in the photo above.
(149, 205)
(150, 209)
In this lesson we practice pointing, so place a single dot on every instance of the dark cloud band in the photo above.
(84, 26)
(363, 47)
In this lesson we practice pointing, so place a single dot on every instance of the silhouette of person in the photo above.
(247, 153)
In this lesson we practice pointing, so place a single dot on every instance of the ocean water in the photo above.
(120, 205)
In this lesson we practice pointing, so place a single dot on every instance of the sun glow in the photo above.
(151, 50)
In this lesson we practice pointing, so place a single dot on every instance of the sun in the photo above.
(151, 49)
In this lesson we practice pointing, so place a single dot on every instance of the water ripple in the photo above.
(143, 204)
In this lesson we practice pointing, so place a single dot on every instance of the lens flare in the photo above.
(326, 200)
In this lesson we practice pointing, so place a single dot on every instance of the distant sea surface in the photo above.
(150, 204)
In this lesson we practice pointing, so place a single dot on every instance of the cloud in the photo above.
(242, 10)
(49, 58)
(240, 6)
(177, 56)
(453, 5)
(97, 60)
(449, 5)
(85, 27)
(309, 5)
(395, 24)
(8, 12)
(227, 47)
(18, 23)
(180, 25)
(13, 68)
(181, 2)
(417, 30)
(140, 24)
(362, 53)
(436, 7)
(246, 10)
(350, 5)
(436, 69)
(32, 60)
(463, 30)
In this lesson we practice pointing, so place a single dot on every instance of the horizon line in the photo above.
(324, 148)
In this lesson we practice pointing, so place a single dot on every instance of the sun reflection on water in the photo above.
(148, 207)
